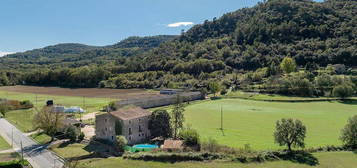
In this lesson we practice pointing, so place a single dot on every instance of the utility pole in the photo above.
(221, 117)
(22, 153)
(12, 137)
(36, 100)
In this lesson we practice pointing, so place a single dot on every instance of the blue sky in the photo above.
(29, 24)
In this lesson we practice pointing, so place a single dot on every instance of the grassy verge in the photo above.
(71, 150)
(41, 138)
(3, 144)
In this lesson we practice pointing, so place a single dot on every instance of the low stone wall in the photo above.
(161, 100)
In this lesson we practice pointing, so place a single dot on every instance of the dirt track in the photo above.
(86, 92)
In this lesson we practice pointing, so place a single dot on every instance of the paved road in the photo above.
(36, 154)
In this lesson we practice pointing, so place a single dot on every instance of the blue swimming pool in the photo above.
(145, 146)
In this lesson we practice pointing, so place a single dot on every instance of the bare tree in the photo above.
(49, 121)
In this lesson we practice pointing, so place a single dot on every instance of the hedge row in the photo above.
(244, 157)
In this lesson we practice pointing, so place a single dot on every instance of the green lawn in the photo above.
(3, 144)
(253, 122)
(41, 138)
(23, 118)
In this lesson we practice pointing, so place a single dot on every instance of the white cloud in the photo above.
(5, 53)
(179, 24)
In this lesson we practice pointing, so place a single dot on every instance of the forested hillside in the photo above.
(251, 38)
(240, 48)
(76, 55)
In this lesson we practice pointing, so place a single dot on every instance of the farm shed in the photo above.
(161, 100)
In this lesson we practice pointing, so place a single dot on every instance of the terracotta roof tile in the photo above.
(130, 113)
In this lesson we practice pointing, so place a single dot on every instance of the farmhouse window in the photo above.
(129, 131)
(140, 128)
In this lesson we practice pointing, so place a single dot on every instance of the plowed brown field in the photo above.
(86, 92)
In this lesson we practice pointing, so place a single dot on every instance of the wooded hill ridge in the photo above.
(75, 55)
(314, 34)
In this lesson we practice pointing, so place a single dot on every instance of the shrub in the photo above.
(81, 137)
(72, 133)
(121, 142)
(343, 91)
(112, 106)
(26, 104)
(173, 157)
(210, 146)
(349, 133)
(3, 110)
(190, 137)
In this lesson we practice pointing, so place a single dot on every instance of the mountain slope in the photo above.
(74, 55)
(311, 32)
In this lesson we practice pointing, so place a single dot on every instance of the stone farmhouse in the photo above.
(132, 123)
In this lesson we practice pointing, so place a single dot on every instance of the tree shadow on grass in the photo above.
(348, 102)
(302, 157)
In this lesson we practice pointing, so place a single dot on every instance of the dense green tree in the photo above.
(343, 91)
(190, 137)
(215, 88)
(177, 116)
(290, 133)
(4, 81)
(288, 65)
(349, 133)
(160, 124)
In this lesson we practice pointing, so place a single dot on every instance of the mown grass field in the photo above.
(23, 118)
(256, 96)
(3, 144)
(253, 122)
